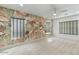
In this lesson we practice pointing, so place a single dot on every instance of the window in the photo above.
(68, 27)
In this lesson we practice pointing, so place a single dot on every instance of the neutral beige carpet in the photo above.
(46, 47)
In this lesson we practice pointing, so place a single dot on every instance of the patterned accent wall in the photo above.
(35, 24)
(5, 14)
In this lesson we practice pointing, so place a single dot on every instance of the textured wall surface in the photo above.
(35, 24)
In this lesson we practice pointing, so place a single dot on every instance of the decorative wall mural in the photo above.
(2, 27)
(19, 14)
(34, 26)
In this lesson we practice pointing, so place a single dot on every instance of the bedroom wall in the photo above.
(6, 14)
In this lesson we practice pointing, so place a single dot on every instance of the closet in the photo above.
(17, 28)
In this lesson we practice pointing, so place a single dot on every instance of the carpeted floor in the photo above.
(49, 46)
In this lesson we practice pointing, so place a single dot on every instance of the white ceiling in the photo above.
(45, 10)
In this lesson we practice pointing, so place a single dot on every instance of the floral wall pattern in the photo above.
(35, 24)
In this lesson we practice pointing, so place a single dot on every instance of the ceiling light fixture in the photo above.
(54, 12)
(21, 4)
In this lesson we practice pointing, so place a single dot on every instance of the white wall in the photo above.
(56, 27)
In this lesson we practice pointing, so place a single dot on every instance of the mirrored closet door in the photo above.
(17, 28)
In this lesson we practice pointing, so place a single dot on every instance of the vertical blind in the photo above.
(68, 27)
(17, 27)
